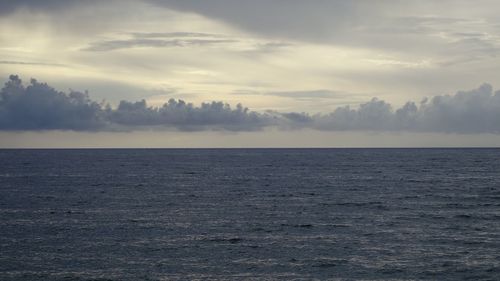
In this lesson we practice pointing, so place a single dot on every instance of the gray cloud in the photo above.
(160, 39)
(186, 116)
(153, 43)
(475, 111)
(318, 21)
(184, 39)
(459, 35)
(40, 107)
(396, 26)
(291, 18)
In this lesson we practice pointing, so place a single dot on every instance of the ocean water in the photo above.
(250, 214)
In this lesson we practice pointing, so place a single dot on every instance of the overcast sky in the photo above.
(295, 64)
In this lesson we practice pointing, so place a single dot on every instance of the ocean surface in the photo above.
(250, 214)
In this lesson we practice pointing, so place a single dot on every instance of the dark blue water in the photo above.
(340, 214)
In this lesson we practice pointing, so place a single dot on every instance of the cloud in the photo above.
(289, 19)
(161, 39)
(393, 26)
(185, 39)
(374, 115)
(40, 107)
(474, 111)
(186, 116)
(151, 43)
(397, 26)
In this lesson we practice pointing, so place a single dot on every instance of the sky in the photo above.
(261, 73)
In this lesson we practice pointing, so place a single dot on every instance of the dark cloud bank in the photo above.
(38, 106)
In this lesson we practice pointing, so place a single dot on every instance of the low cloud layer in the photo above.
(474, 111)
(38, 106)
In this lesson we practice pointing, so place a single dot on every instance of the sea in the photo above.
(250, 214)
